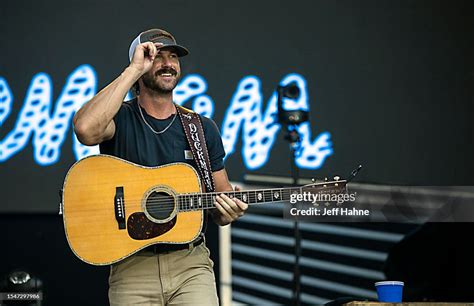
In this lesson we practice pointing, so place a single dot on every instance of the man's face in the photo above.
(165, 74)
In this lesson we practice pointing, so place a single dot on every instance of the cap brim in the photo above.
(180, 50)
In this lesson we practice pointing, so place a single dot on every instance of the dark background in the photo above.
(392, 81)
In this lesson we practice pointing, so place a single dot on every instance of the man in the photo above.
(145, 131)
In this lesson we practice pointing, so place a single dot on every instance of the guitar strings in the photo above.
(162, 205)
(205, 197)
(182, 200)
(165, 204)
(170, 206)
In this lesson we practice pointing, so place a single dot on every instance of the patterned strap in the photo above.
(195, 135)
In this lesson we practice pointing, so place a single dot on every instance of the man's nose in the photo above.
(166, 62)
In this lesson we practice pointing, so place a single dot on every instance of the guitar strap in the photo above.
(197, 142)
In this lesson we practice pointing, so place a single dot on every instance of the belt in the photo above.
(164, 248)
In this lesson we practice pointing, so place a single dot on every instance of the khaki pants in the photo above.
(182, 277)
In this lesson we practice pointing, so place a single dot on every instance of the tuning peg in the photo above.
(313, 180)
(337, 178)
(325, 179)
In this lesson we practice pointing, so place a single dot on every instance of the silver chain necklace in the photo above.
(152, 129)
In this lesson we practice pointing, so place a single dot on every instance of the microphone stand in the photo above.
(294, 138)
(291, 119)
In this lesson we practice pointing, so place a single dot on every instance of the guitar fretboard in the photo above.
(199, 201)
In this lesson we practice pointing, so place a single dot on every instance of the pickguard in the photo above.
(141, 228)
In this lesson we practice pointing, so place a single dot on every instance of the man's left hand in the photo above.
(228, 210)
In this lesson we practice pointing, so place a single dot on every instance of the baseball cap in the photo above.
(157, 36)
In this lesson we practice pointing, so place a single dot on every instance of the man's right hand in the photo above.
(93, 122)
(144, 56)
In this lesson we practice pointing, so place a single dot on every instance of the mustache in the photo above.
(166, 70)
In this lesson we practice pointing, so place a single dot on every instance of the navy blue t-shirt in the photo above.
(134, 141)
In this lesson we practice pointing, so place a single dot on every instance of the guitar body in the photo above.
(113, 208)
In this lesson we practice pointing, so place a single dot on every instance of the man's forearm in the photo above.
(93, 119)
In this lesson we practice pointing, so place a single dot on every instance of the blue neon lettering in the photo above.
(244, 115)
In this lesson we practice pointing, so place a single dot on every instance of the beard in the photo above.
(154, 82)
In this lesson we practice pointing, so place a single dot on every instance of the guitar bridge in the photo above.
(119, 206)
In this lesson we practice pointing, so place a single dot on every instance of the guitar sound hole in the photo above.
(160, 205)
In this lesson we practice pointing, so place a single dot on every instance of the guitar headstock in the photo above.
(326, 191)
(335, 186)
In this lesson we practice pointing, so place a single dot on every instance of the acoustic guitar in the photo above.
(113, 208)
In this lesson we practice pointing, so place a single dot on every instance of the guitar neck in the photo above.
(199, 201)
